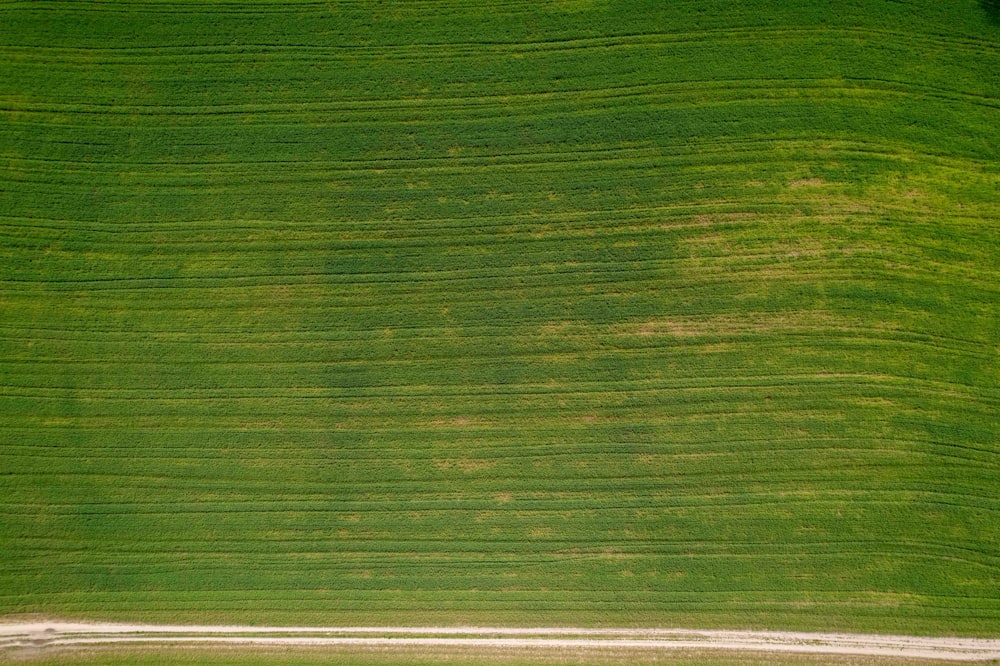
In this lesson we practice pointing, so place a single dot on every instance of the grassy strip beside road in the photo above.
(216, 656)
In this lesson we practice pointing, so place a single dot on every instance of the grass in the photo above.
(117, 656)
(550, 313)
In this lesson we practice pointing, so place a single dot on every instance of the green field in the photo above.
(679, 313)
(217, 656)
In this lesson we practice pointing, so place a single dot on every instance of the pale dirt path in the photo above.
(56, 633)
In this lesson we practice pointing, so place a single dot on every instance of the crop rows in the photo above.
(526, 313)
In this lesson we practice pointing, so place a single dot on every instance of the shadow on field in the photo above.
(992, 9)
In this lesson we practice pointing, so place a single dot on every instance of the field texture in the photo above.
(632, 313)
(223, 656)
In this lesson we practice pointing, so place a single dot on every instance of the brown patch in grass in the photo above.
(708, 219)
(705, 220)
(453, 422)
(467, 465)
(475, 464)
(875, 402)
(741, 323)
(807, 182)
(664, 327)
(554, 327)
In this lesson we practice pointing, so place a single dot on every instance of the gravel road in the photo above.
(56, 633)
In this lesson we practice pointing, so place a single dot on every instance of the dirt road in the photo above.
(56, 633)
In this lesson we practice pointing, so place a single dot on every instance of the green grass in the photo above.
(304, 656)
(666, 313)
